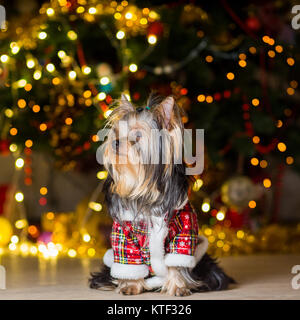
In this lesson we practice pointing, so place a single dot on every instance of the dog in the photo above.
(155, 242)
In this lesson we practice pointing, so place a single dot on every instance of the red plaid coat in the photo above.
(130, 242)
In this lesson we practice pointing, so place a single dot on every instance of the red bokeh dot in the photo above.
(246, 107)
(227, 94)
(183, 91)
(246, 116)
(108, 99)
(43, 201)
(136, 96)
(86, 145)
(217, 96)
(213, 212)
(28, 181)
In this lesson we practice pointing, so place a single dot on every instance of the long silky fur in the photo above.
(102, 279)
(206, 276)
(173, 190)
(172, 187)
(172, 184)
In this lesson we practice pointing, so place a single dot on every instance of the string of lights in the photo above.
(74, 84)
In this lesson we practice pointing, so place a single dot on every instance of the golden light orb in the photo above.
(254, 161)
(281, 147)
(19, 196)
(255, 102)
(267, 183)
(19, 163)
(120, 35)
(230, 75)
(289, 160)
(50, 67)
(133, 67)
(152, 39)
(252, 204)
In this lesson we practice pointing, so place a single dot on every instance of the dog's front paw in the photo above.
(175, 284)
(170, 288)
(181, 292)
(130, 287)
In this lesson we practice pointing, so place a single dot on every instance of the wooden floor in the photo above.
(258, 277)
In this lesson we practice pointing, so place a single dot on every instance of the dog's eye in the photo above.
(116, 145)
(138, 136)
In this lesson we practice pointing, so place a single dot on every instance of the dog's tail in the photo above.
(102, 280)
(208, 276)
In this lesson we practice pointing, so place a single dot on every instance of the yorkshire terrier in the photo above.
(155, 241)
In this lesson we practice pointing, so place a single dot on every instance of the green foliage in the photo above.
(182, 27)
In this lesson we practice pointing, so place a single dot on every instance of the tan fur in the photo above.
(127, 165)
(123, 106)
(131, 287)
(175, 284)
(130, 172)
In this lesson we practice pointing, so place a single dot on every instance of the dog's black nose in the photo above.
(116, 145)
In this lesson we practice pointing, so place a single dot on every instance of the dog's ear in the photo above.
(168, 108)
(126, 103)
(166, 111)
(122, 107)
(124, 98)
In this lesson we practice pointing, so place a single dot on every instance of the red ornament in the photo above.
(156, 28)
(253, 24)
(237, 219)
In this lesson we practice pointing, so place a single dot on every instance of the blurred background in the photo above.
(232, 66)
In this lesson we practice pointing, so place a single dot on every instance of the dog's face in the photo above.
(142, 146)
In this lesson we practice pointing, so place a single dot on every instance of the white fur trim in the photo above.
(184, 260)
(108, 258)
(180, 260)
(158, 233)
(155, 282)
(129, 271)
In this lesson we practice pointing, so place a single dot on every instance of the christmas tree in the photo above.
(233, 69)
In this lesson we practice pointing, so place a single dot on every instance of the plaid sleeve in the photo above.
(125, 245)
(183, 239)
(128, 262)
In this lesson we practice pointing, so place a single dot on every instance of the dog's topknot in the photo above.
(154, 100)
